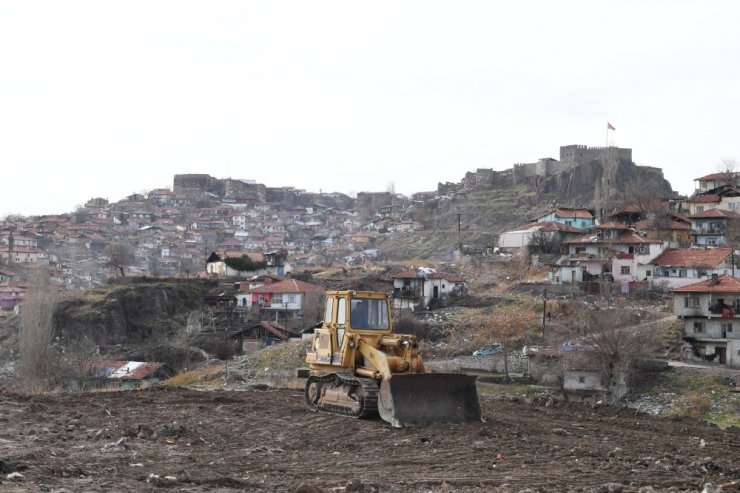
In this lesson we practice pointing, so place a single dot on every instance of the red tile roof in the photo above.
(705, 199)
(568, 213)
(717, 176)
(649, 224)
(289, 286)
(692, 257)
(613, 225)
(407, 274)
(713, 213)
(722, 284)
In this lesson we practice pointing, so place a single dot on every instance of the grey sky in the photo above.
(107, 98)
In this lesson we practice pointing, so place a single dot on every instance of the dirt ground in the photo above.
(266, 440)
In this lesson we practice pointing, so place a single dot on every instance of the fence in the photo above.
(518, 363)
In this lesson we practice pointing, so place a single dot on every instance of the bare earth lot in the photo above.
(254, 440)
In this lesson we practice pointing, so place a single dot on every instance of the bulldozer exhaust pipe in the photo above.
(420, 398)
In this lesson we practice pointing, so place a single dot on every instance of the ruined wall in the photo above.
(368, 203)
(197, 184)
(242, 189)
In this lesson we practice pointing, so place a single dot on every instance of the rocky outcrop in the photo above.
(129, 313)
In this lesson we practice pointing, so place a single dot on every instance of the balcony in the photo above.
(407, 294)
(709, 231)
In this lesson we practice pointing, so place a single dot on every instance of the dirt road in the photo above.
(195, 441)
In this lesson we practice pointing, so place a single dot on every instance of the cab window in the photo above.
(342, 311)
(367, 313)
(328, 311)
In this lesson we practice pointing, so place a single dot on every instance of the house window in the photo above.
(648, 273)
(726, 327)
(291, 298)
(692, 302)
(699, 208)
(625, 269)
(581, 379)
(681, 272)
(277, 298)
(698, 327)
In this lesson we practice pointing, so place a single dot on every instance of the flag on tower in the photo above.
(609, 126)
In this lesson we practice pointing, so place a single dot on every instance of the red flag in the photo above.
(609, 126)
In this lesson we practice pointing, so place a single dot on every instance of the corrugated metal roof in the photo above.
(124, 370)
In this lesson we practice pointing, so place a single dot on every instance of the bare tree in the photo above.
(646, 197)
(616, 349)
(38, 368)
(119, 256)
(728, 166)
(545, 242)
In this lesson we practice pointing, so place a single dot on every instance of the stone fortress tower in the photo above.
(593, 176)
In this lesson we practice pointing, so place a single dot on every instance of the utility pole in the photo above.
(459, 237)
(544, 314)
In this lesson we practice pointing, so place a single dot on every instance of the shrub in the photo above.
(244, 263)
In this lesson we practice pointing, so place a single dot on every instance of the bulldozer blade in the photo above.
(418, 398)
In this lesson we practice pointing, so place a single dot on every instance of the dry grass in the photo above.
(207, 375)
(692, 404)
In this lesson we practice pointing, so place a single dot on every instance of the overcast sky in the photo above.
(102, 99)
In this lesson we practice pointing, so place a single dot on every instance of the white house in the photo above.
(677, 267)
(709, 310)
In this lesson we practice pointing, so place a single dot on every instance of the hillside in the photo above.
(483, 216)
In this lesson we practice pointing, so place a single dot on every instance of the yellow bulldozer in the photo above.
(359, 367)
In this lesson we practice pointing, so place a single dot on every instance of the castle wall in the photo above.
(574, 155)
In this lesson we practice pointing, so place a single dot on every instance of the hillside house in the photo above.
(554, 232)
(119, 375)
(22, 255)
(290, 302)
(607, 257)
(577, 371)
(702, 203)
(677, 267)
(710, 311)
(711, 227)
(426, 288)
(578, 218)
(712, 181)
(674, 230)
(11, 294)
(8, 275)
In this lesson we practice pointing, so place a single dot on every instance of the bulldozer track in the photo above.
(369, 403)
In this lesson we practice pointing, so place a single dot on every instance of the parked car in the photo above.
(488, 350)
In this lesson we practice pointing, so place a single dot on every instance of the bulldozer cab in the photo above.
(358, 311)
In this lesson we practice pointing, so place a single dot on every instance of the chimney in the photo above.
(715, 280)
